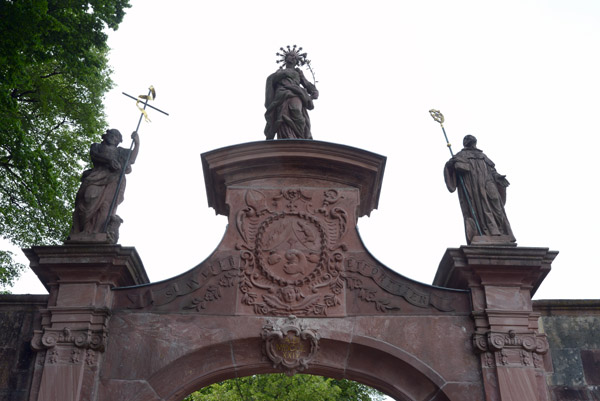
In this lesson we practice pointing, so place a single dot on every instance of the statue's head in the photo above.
(112, 136)
(291, 59)
(291, 56)
(469, 141)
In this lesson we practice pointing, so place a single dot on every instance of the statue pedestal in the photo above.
(73, 332)
(502, 280)
(81, 238)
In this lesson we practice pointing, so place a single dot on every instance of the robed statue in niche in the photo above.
(95, 218)
(482, 196)
(288, 97)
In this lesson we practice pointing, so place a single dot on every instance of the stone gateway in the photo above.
(291, 288)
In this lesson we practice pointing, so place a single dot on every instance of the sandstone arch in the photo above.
(108, 334)
(380, 365)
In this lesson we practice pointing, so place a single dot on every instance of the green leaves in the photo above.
(8, 275)
(53, 75)
(284, 388)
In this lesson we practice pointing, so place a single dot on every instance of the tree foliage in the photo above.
(285, 388)
(53, 75)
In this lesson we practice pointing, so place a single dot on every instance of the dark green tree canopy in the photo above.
(53, 75)
(285, 388)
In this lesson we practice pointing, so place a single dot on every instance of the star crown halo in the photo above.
(300, 57)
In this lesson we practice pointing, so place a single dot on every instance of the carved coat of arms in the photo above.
(291, 251)
(289, 345)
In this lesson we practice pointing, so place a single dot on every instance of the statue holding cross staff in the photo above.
(99, 187)
(103, 186)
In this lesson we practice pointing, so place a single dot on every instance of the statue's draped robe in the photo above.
(486, 190)
(98, 187)
(288, 99)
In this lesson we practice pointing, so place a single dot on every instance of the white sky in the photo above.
(522, 76)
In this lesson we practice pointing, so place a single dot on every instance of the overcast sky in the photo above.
(522, 76)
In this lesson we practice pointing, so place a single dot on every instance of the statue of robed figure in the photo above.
(288, 97)
(94, 219)
(482, 195)
(103, 186)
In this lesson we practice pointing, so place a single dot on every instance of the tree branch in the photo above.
(55, 72)
(15, 94)
(56, 126)
(14, 201)
(22, 182)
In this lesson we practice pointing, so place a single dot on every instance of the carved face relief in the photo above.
(289, 294)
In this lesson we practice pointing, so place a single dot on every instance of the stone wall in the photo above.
(18, 315)
(573, 330)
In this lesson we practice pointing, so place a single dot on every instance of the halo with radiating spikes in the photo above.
(301, 57)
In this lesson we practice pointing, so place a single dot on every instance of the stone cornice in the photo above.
(549, 307)
(293, 159)
(526, 267)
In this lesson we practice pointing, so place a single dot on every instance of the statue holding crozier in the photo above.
(481, 191)
(485, 188)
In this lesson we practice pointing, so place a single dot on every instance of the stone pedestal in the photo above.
(502, 281)
(73, 332)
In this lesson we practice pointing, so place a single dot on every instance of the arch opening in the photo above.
(367, 361)
(282, 387)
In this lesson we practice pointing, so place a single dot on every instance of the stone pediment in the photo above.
(291, 245)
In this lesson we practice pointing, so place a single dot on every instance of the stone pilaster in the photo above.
(502, 281)
(73, 333)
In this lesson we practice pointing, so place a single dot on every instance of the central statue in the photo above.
(288, 97)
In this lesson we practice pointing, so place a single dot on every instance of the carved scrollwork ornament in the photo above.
(480, 343)
(49, 340)
(98, 341)
(541, 345)
(82, 340)
(529, 342)
(289, 345)
(496, 341)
